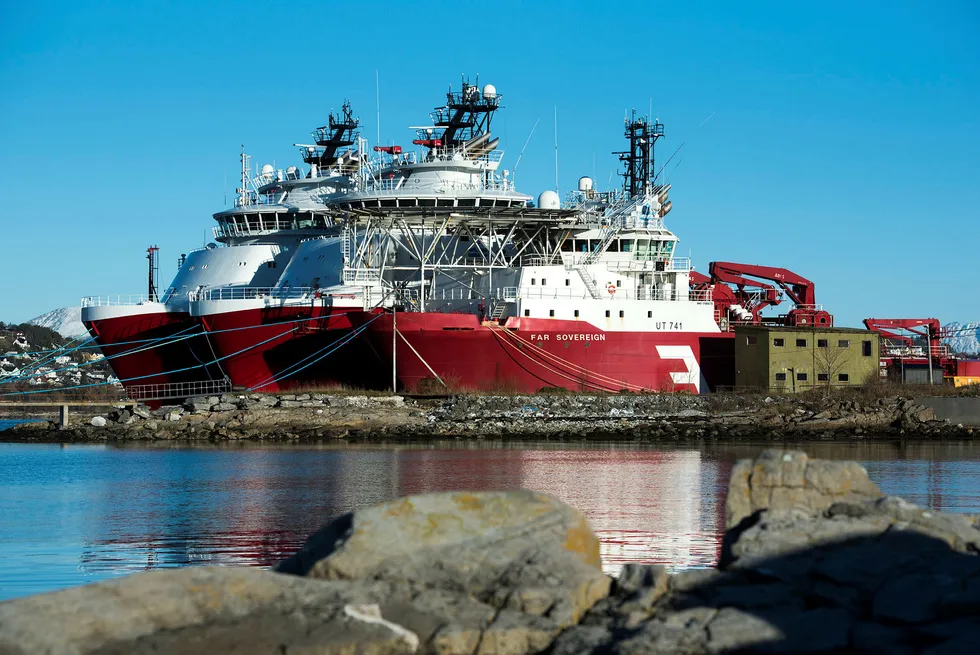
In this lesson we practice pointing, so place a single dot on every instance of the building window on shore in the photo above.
(576, 313)
(551, 313)
(607, 313)
(801, 343)
(527, 312)
(801, 377)
(779, 343)
(843, 377)
(780, 377)
(843, 343)
(866, 348)
(821, 343)
(823, 377)
(750, 341)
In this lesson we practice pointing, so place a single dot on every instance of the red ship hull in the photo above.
(527, 355)
(148, 349)
(276, 349)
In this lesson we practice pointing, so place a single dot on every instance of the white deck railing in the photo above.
(118, 299)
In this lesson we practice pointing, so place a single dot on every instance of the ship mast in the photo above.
(639, 160)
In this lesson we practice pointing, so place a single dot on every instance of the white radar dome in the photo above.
(292, 173)
(549, 200)
(489, 91)
(268, 170)
(585, 183)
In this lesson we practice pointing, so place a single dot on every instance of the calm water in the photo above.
(76, 514)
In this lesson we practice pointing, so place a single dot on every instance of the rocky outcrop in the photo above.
(815, 560)
(634, 417)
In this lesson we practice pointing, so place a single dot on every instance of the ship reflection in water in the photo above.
(78, 514)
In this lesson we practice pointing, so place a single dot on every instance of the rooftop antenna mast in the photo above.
(377, 94)
(518, 163)
(556, 148)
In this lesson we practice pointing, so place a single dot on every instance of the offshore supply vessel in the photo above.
(154, 345)
(589, 297)
(300, 332)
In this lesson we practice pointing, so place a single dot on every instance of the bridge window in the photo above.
(567, 245)
(626, 245)
(544, 282)
(576, 313)
(649, 314)
(551, 313)
(621, 313)
(527, 312)
(607, 313)
(567, 282)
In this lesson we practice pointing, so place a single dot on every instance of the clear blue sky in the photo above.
(843, 141)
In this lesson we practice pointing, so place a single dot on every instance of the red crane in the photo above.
(799, 289)
(930, 328)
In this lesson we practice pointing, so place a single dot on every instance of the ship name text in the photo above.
(570, 336)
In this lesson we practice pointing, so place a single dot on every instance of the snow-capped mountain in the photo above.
(66, 321)
(963, 338)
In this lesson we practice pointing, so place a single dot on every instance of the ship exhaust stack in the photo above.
(153, 273)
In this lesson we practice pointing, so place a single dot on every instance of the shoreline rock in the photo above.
(627, 417)
(815, 559)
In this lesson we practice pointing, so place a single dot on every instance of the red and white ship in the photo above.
(300, 332)
(589, 298)
(154, 345)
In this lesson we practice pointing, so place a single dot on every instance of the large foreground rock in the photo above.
(200, 610)
(499, 572)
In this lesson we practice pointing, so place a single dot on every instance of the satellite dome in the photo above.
(489, 92)
(268, 171)
(585, 183)
(549, 200)
(292, 173)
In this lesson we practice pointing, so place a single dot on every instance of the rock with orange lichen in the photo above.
(529, 560)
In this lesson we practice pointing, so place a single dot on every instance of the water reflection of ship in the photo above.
(663, 507)
(252, 510)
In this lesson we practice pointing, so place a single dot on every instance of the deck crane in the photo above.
(805, 313)
(737, 304)
(902, 331)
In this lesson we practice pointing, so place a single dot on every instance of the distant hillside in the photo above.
(964, 337)
(66, 321)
